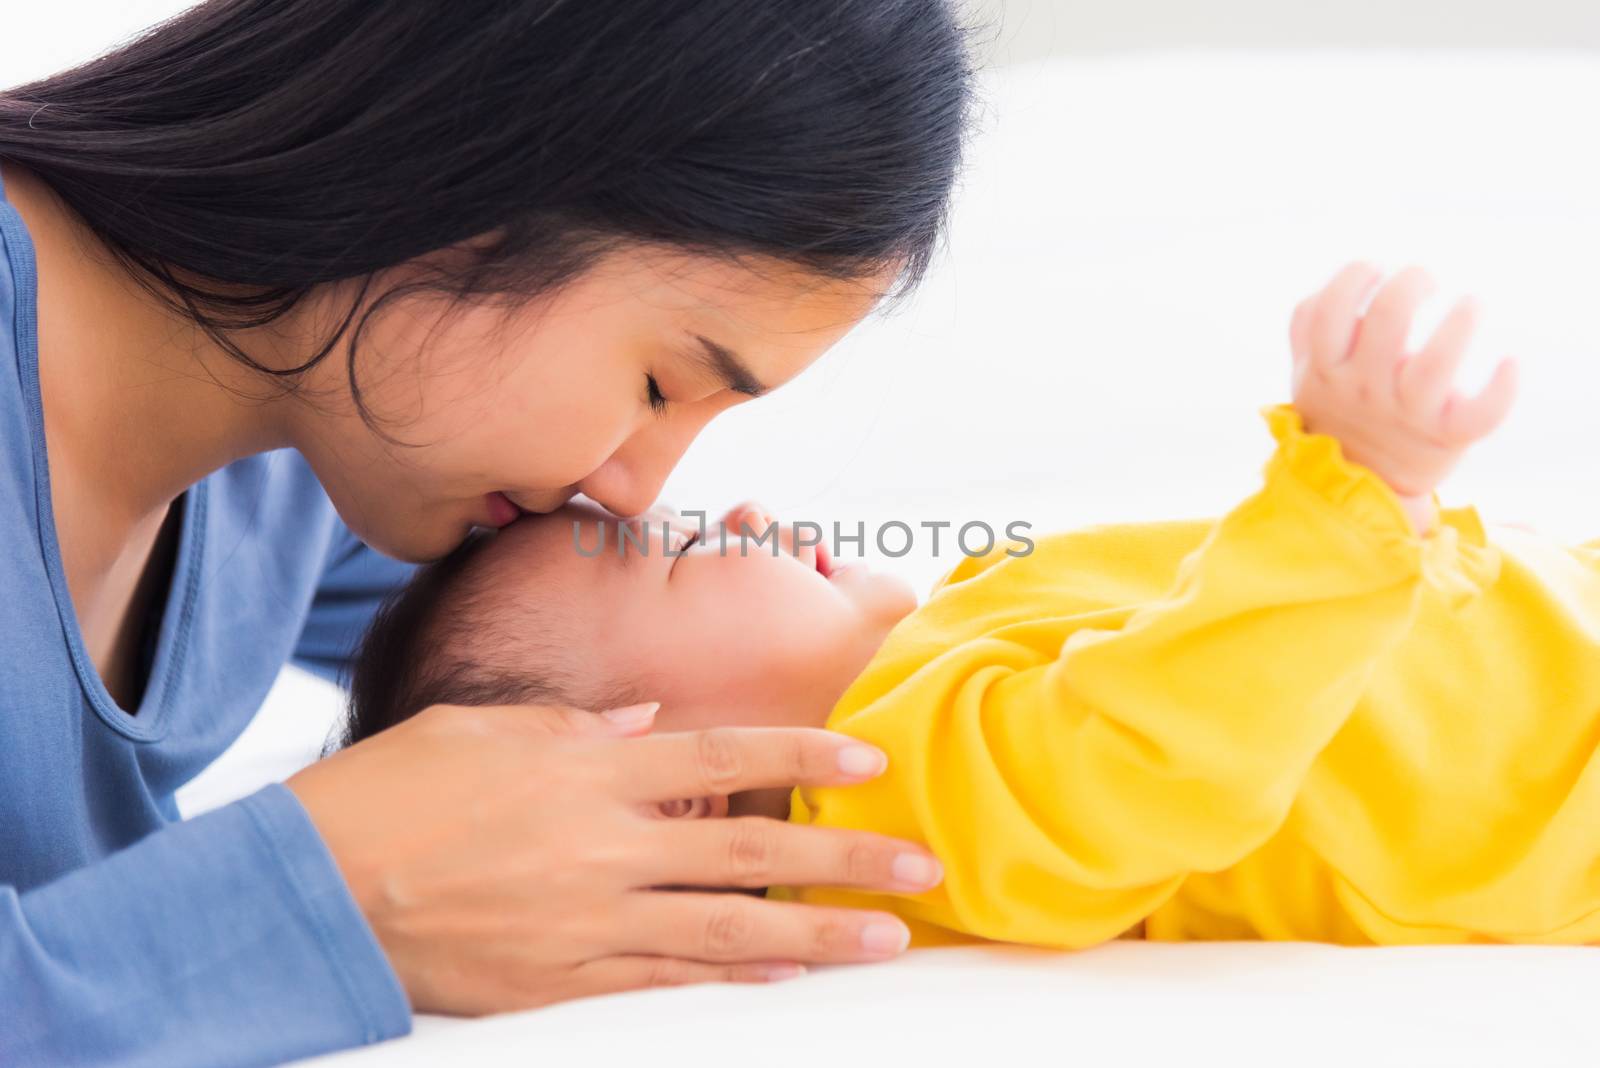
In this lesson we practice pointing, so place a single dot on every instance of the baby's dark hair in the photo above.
(451, 636)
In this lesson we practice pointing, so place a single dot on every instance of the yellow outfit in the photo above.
(1301, 721)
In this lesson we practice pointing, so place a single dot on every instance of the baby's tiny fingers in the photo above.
(1466, 420)
(1333, 322)
(1300, 337)
(1425, 378)
(1381, 334)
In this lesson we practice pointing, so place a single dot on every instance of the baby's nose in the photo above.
(748, 517)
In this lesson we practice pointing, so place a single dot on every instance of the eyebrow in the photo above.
(726, 365)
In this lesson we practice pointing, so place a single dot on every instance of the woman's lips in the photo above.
(501, 510)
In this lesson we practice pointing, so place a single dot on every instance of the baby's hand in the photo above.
(1395, 413)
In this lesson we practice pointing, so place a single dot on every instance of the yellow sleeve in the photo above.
(1069, 790)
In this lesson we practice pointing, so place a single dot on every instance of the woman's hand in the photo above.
(508, 857)
(1394, 413)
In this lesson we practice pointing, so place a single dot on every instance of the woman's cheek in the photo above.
(567, 453)
(573, 425)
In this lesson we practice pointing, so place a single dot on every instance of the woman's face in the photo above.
(596, 388)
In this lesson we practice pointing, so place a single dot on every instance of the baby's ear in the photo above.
(695, 808)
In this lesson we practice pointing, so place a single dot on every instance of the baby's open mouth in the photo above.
(824, 561)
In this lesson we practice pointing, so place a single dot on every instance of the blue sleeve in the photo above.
(229, 939)
(355, 582)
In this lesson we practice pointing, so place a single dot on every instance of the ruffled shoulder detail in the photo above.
(1456, 558)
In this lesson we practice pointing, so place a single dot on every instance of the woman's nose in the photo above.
(629, 481)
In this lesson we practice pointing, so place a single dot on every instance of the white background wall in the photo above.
(40, 37)
(1028, 29)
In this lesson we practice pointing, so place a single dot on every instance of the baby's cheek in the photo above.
(774, 803)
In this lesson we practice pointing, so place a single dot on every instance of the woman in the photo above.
(285, 279)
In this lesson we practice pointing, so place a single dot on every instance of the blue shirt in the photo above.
(128, 936)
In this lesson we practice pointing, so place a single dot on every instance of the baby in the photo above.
(1338, 713)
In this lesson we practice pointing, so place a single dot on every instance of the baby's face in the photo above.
(718, 635)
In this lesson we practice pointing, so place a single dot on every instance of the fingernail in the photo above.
(915, 870)
(882, 938)
(632, 716)
(862, 760)
(777, 973)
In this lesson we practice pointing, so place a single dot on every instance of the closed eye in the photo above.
(653, 395)
(681, 548)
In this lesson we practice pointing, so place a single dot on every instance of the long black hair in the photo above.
(244, 152)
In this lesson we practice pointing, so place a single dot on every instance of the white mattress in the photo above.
(1282, 1004)
(1113, 310)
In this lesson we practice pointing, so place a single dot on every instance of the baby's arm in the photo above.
(1070, 789)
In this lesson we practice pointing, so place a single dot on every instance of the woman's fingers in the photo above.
(731, 928)
(1381, 332)
(756, 851)
(1425, 378)
(726, 760)
(630, 720)
(554, 720)
(612, 975)
(1333, 322)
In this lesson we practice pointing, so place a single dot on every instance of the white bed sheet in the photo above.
(1112, 312)
(1298, 1006)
